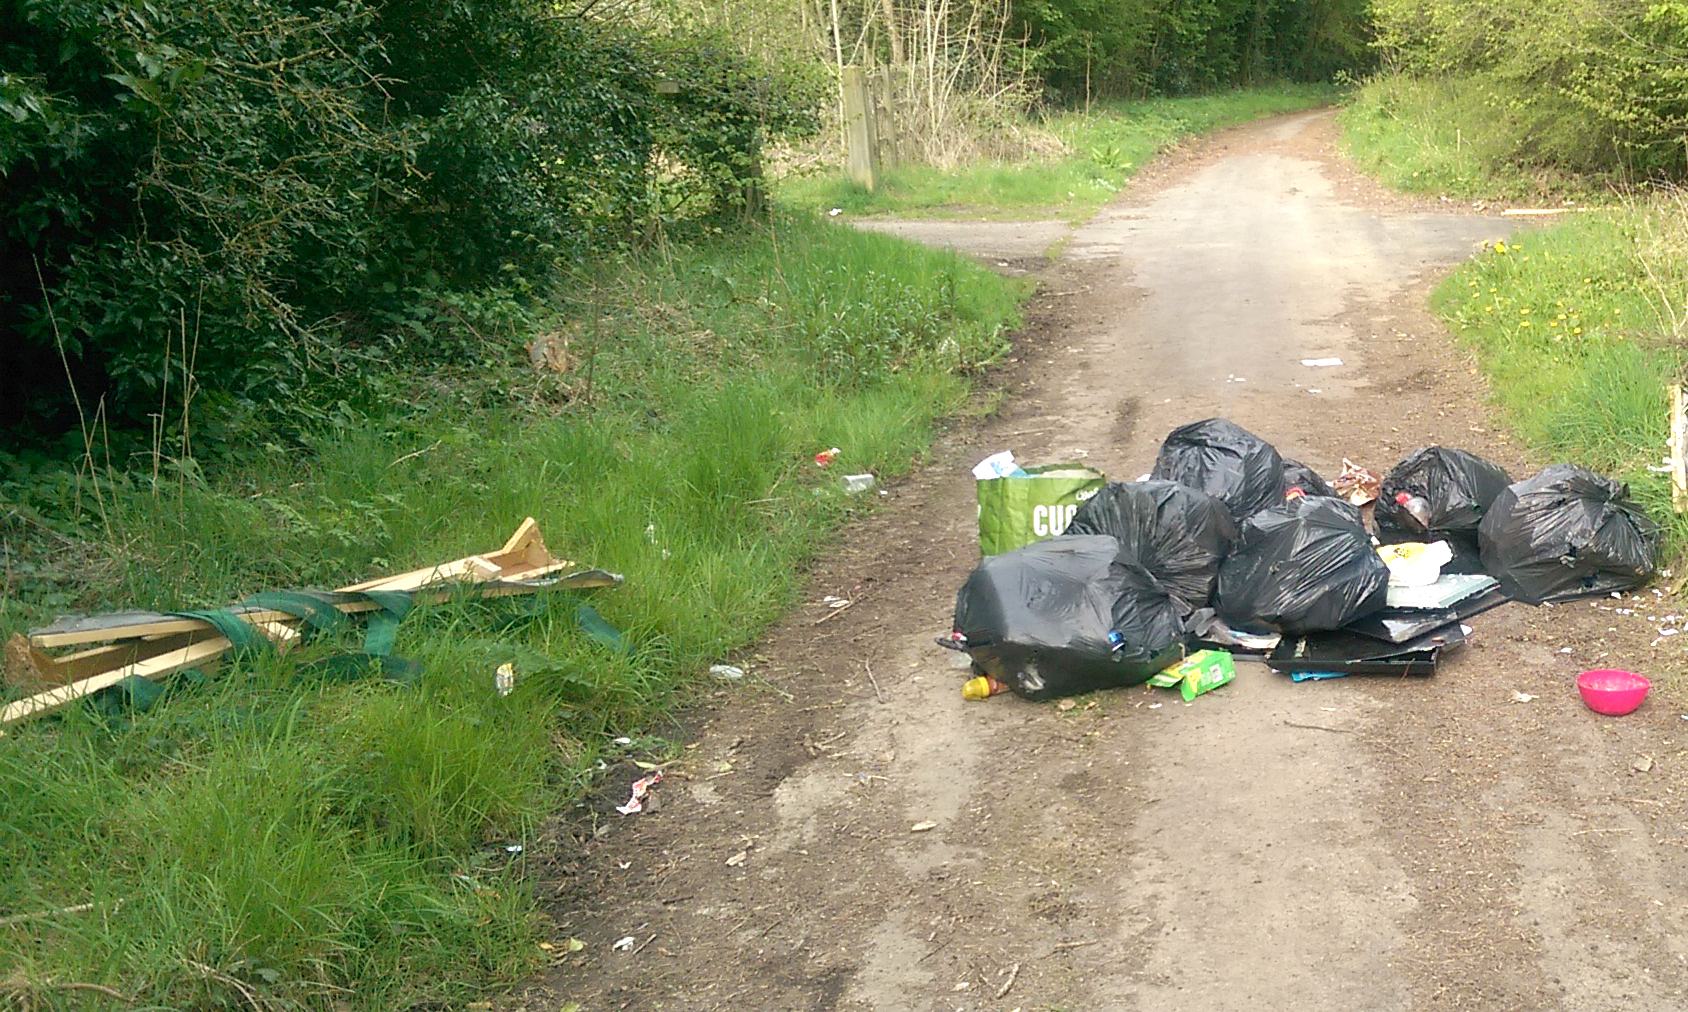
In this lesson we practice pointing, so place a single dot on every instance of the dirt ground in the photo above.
(1362, 843)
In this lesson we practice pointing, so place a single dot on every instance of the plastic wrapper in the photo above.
(1567, 532)
(1226, 461)
(1453, 490)
(1304, 566)
(1299, 476)
(1355, 484)
(1177, 534)
(1065, 616)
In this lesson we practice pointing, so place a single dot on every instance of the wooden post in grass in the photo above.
(860, 137)
(884, 117)
(1678, 449)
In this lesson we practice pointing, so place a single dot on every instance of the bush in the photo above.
(1096, 48)
(270, 197)
(1562, 86)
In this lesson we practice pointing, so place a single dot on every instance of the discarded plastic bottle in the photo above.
(1416, 507)
(982, 687)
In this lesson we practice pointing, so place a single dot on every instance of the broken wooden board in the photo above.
(1678, 449)
(282, 631)
(29, 667)
(524, 553)
(125, 625)
(524, 557)
(153, 667)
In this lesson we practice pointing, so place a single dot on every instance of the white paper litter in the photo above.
(1320, 363)
(997, 465)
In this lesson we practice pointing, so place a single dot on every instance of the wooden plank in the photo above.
(153, 667)
(163, 625)
(1678, 449)
(473, 569)
(284, 636)
(29, 667)
(525, 550)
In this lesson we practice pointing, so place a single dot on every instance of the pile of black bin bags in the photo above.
(1225, 526)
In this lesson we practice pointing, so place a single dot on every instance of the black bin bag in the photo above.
(1565, 533)
(1067, 615)
(1226, 461)
(1453, 489)
(1305, 566)
(1175, 533)
(1299, 475)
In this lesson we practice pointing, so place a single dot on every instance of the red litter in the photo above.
(641, 788)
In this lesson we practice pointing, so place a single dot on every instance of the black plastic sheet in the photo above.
(1226, 461)
(1564, 533)
(1335, 654)
(1304, 566)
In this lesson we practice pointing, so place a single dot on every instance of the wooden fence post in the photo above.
(885, 119)
(860, 136)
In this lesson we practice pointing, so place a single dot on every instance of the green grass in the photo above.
(1423, 135)
(1104, 147)
(341, 844)
(1567, 324)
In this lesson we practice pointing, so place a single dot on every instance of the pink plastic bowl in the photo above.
(1613, 693)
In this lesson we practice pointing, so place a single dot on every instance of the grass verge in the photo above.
(271, 840)
(1579, 328)
(1105, 146)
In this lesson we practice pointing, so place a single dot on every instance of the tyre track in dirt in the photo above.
(1358, 844)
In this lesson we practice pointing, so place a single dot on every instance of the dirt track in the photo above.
(1361, 844)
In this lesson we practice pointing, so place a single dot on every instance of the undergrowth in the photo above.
(1430, 135)
(273, 838)
(1103, 147)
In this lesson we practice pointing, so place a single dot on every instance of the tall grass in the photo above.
(275, 839)
(1569, 324)
(1439, 135)
(1101, 148)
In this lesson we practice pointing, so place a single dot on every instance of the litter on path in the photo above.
(641, 791)
(1227, 550)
